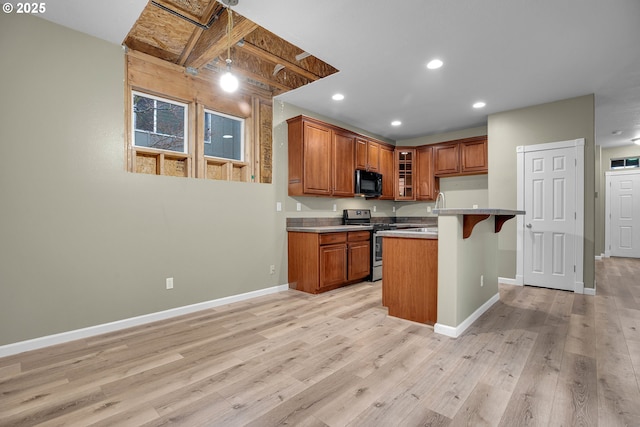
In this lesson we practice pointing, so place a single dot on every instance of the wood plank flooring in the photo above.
(539, 357)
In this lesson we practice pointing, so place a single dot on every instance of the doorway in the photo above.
(622, 215)
(550, 236)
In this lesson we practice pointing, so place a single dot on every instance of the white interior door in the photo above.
(623, 214)
(550, 205)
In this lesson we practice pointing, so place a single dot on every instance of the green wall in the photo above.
(82, 242)
(557, 121)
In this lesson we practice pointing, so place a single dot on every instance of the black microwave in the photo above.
(368, 184)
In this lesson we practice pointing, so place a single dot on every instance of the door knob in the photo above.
(528, 225)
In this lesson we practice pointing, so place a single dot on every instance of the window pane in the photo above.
(143, 109)
(159, 124)
(223, 136)
(632, 162)
(617, 163)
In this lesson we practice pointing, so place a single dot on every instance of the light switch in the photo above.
(278, 206)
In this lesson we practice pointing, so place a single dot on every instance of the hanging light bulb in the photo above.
(229, 82)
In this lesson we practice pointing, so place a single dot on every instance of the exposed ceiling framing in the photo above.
(193, 34)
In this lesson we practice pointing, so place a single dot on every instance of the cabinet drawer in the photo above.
(330, 238)
(359, 236)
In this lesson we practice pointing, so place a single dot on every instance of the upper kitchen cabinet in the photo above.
(461, 157)
(473, 156)
(342, 151)
(404, 173)
(321, 159)
(387, 170)
(426, 182)
(367, 155)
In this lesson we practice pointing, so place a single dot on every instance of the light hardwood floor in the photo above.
(538, 357)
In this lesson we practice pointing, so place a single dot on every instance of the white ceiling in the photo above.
(508, 53)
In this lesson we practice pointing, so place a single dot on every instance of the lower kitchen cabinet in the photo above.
(410, 278)
(319, 262)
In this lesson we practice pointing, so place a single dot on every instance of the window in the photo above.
(223, 136)
(628, 162)
(159, 123)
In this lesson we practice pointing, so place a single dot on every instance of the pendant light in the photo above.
(229, 82)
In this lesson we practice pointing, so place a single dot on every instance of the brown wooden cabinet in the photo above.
(387, 171)
(461, 157)
(426, 182)
(319, 262)
(473, 156)
(321, 159)
(367, 155)
(404, 173)
(446, 159)
(410, 288)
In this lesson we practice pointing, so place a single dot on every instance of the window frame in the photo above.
(242, 134)
(186, 141)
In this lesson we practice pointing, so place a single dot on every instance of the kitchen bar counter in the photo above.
(470, 217)
(410, 233)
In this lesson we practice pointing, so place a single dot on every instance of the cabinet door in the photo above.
(317, 159)
(404, 188)
(343, 164)
(473, 155)
(373, 156)
(426, 183)
(361, 154)
(359, 259)
(386, 169)
(446, 159)
(333, 265)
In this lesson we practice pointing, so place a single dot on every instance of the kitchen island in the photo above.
(459, 270)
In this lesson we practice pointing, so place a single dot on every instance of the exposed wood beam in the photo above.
(213, 42)
(211, 10)
(268, 56)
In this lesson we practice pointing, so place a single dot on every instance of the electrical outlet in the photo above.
(272, 269)
(335, 207)
(169, 282)
(481, 280)
(428, 209)
(393, 208)
(475, 206)
(298, 206)
(278, 206)
(374, 208)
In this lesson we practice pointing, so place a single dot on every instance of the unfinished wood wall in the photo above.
(154, 76)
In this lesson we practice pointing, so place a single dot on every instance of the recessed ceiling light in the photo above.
(396, 123)
(616, 132)
(227, 136)
(479, 104)
(636, 141)
(338, 97)
(434, 64)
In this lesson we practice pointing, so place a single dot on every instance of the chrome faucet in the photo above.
(440, 197)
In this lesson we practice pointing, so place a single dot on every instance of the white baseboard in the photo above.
(49, 340)
(455, 332)
(508, 281)
(599, 257)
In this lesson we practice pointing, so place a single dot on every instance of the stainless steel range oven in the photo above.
(363, 217)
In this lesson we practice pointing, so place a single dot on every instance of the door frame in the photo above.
(578, 145)
(607, 211)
